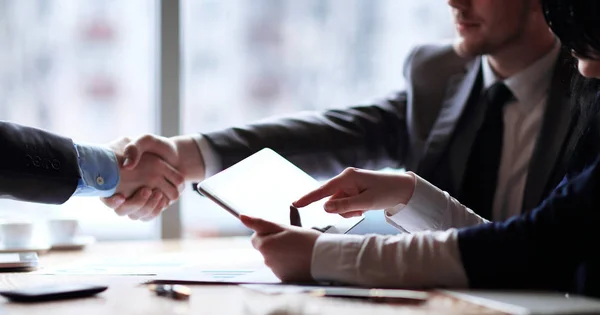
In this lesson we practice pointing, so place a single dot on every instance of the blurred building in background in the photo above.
(87, 69)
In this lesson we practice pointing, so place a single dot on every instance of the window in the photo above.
(88, 69)
(84, 69)
(246, 60)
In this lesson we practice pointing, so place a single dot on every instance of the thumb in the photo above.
(132, 156)
(360, 202)
(260, 226)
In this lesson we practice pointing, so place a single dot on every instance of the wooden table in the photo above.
(126, 296)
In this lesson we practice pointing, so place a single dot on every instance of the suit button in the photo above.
(100, 180)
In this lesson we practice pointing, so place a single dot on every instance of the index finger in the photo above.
(326, 190)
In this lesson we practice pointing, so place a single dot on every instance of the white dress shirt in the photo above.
(522, 123)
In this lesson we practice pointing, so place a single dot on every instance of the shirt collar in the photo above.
(530, 85)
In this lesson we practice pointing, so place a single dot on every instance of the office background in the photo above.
(95, 70)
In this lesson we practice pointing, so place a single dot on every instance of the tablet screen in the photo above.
(264, 185)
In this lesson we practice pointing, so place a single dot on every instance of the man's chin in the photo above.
(468, 49)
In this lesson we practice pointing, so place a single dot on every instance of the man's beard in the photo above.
(466, 49)
(471, 49)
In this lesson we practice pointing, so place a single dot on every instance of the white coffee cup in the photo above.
(63, 230)
(16, 234)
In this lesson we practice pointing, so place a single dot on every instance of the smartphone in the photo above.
(13, 262)
(53, 292)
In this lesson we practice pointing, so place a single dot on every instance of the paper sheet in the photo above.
(150, 265)
(199, 276)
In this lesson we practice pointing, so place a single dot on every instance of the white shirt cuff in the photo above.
(424, 211)
(212, 160)
(421, 260)
(431, 209)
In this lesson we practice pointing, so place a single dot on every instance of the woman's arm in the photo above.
(555, 247)
(552, 247)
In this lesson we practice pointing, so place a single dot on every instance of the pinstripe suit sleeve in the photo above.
(36, 165)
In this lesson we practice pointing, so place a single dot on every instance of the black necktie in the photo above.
(481, 174)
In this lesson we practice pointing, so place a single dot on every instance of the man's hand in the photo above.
(153, 184)
(180, 152)
(356, 191)
(154, 173)
(287, 250)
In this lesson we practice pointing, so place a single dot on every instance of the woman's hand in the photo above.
(356, 191)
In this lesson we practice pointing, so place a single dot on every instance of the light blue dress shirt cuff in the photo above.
(99, 171)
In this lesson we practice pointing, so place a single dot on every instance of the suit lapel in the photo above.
(556, 126)
(458, 92)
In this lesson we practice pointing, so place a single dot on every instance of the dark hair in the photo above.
(576, 24)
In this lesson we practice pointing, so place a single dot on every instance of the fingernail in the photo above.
(146, 193)
(127, 162)
(329, 207)
(119, 201)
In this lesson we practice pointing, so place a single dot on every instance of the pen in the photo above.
(176, 291)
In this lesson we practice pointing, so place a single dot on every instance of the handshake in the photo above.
(153, 171)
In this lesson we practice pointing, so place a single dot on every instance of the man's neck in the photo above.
(518, 56)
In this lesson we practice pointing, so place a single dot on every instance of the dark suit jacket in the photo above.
(36, 165)
(554, 247)
(411, 129)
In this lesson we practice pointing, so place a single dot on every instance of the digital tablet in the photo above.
(264, 185)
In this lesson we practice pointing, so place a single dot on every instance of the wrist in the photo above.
(191, 163)
(407, 183)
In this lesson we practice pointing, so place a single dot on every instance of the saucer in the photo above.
(38, 247)
(76, 243)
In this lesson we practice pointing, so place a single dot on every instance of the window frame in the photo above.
(169, 95)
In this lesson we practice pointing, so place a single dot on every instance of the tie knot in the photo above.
(499, 94)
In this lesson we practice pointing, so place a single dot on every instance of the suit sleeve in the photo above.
(549, 248)
(370, 136)
(36, 165)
